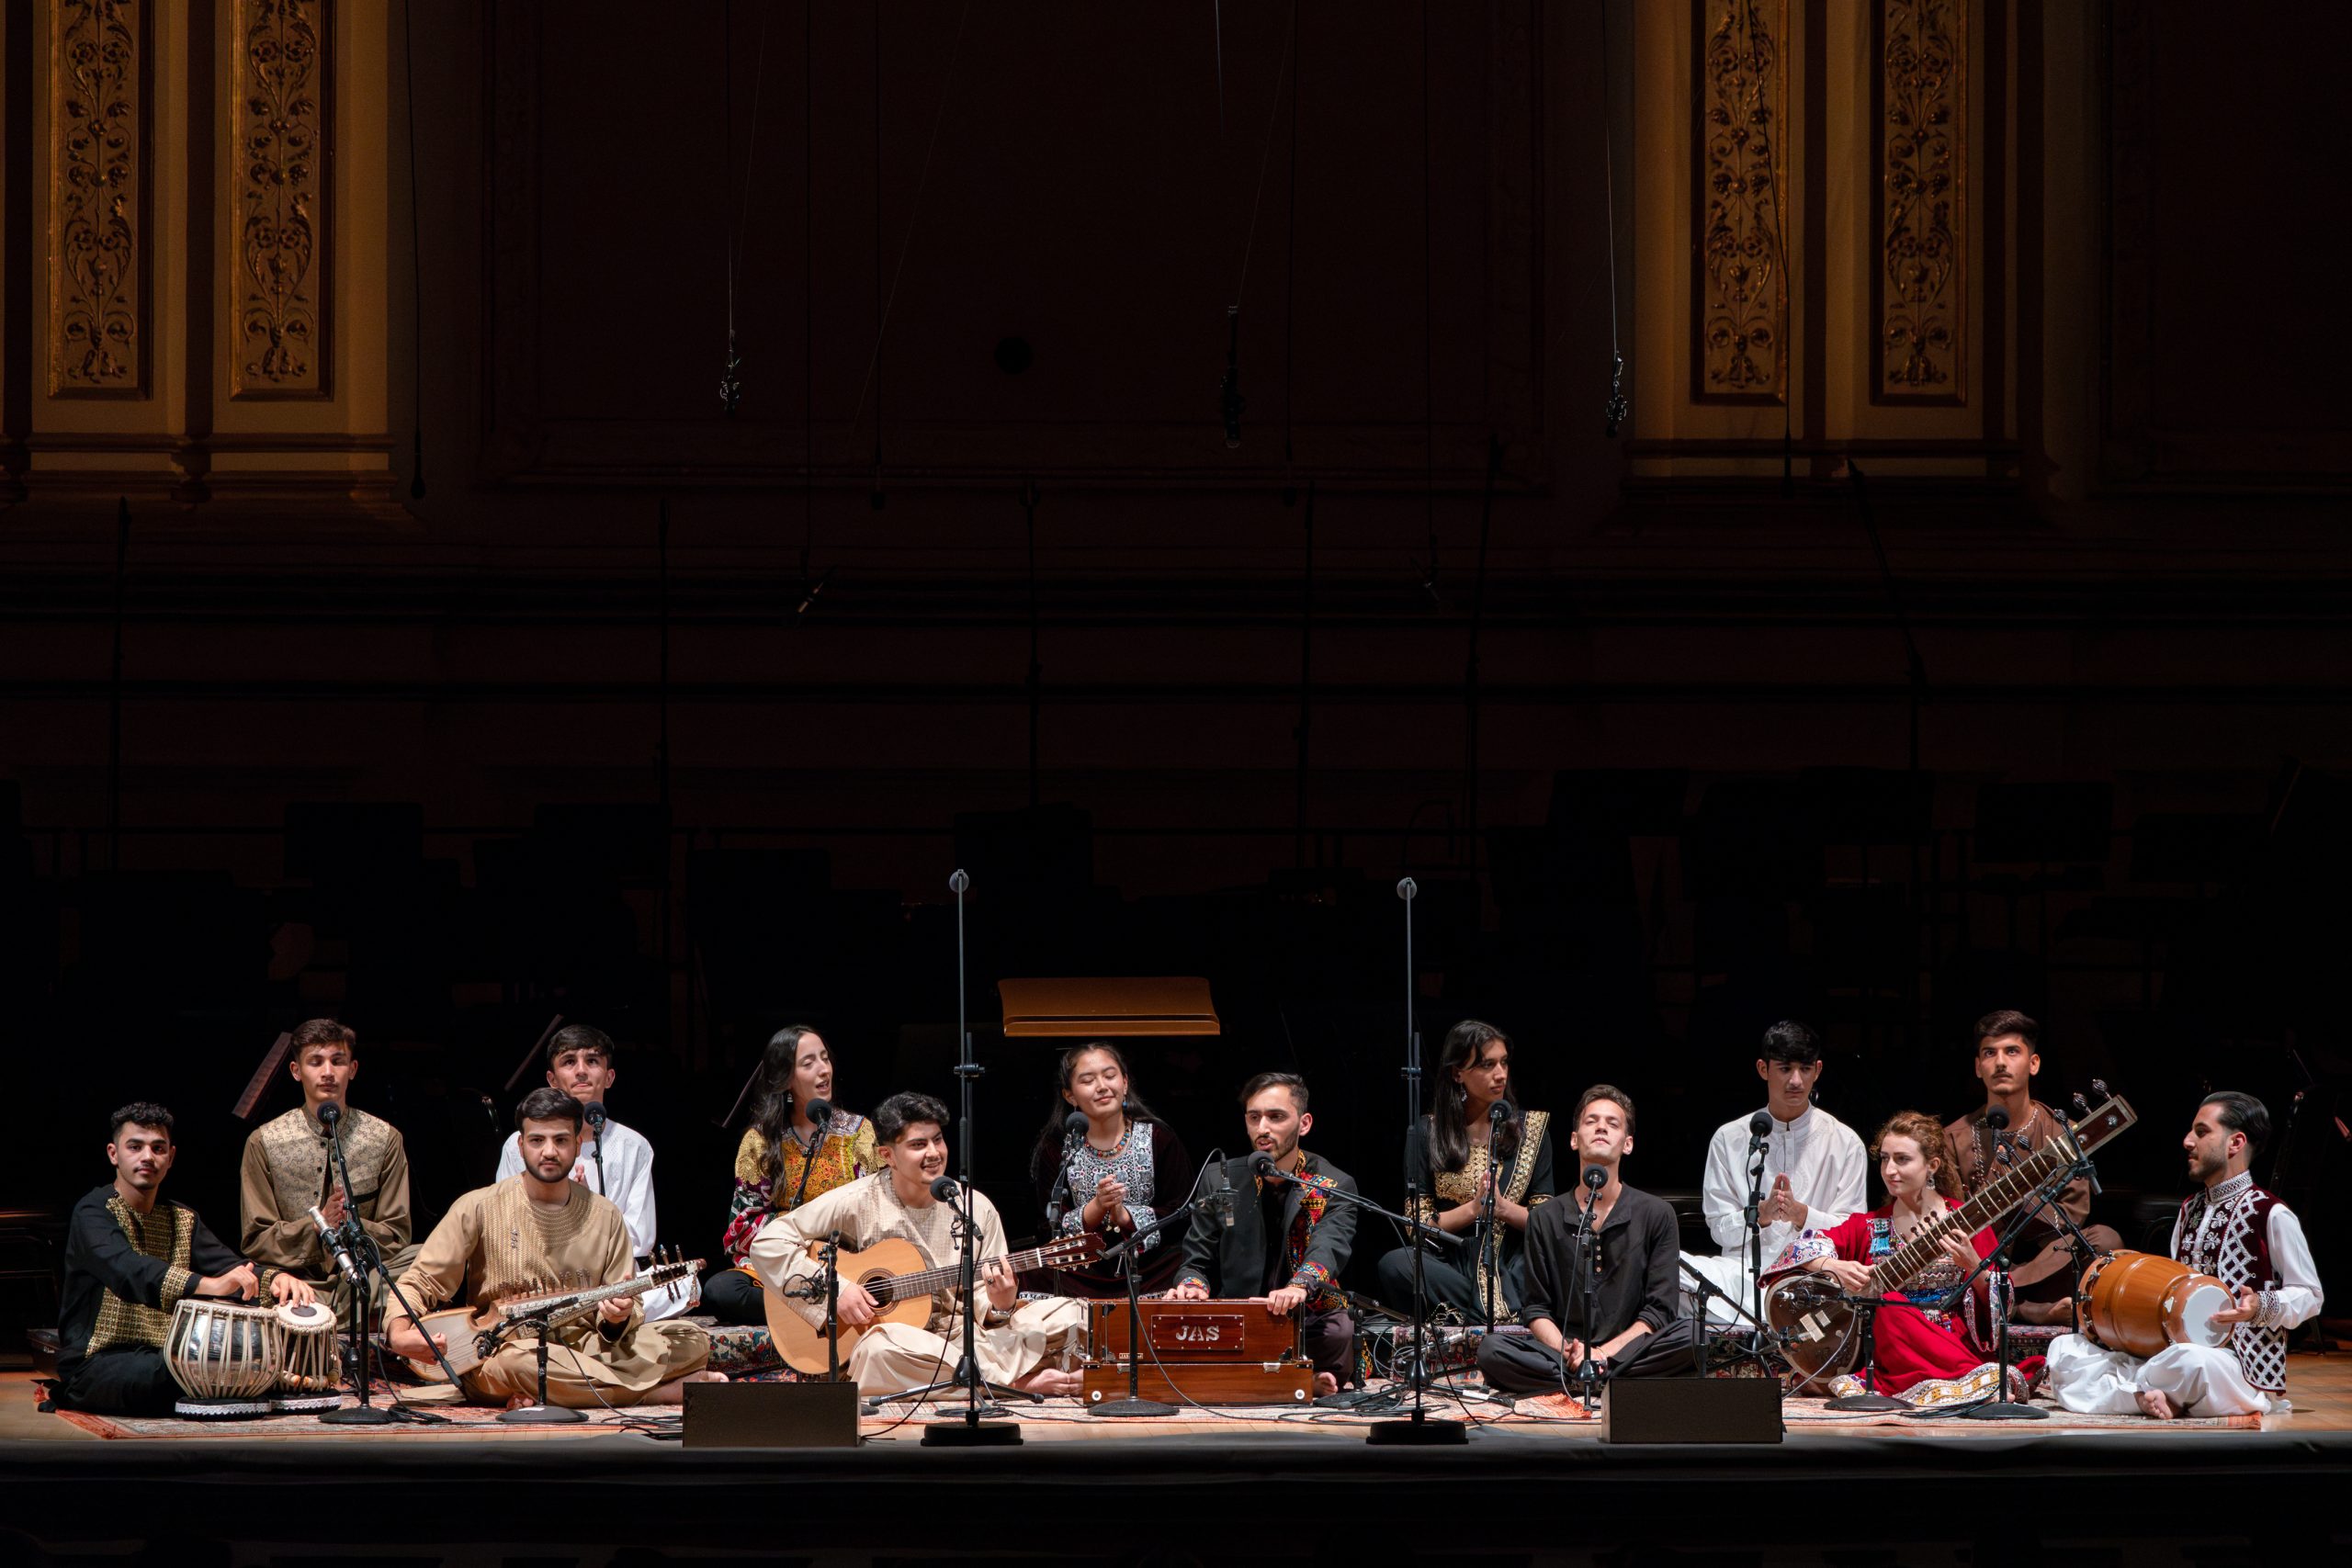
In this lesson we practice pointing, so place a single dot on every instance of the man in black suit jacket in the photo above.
(1289, 1239)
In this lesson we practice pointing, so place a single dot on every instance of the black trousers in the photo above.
(732, 1297)
(1328, 1338)
(1521, 1363)
(132, 1381)
(1449, 1284)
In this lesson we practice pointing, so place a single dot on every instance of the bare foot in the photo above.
(1053, 1382)
(674, 1391)
(2157, 1405)
(1326, 1383)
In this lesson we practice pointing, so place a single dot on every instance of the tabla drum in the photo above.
(224, 1356)
(309, 1371)
(2139, 1304)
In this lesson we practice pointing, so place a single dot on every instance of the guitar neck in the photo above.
(931, 1280)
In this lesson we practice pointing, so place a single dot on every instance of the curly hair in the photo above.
(1929, 1133)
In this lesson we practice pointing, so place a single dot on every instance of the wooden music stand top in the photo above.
(1103, 1007)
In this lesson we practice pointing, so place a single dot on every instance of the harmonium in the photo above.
(1212, 1353)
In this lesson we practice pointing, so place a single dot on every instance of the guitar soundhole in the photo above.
(878, 1287)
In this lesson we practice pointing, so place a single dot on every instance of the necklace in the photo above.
(1118, 1146)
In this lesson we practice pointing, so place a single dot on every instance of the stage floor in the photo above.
(1540, 1489)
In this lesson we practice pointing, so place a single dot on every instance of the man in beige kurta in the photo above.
(1023, 1344)
(289, 1166)
(539, 1231)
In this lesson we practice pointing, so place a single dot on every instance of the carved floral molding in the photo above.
(279, 75)
(1742, 158)
(1922, 283)
(97, 130)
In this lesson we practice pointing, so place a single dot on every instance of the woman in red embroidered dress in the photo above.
(1918, 1340)
(784, 1160)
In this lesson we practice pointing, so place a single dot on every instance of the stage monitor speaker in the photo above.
(1689, 1410)
(771, 1415)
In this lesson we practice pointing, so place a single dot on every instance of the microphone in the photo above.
(1759, 1128)
(1222, 1193)
(333, 1240)
(1262, 1165)
(1595, 1178)
(1998, 1121)
(593, 1113)
(945, 1189)
(821, 1111)
(329, 1115)
(1498, 1113)
(1057, 1201)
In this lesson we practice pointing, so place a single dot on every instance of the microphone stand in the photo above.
(1125, 1254)
(596, 1148)
(369, 1256)
(1490, 1245)
(969, 1432)
(542, 1414)
(832, 1255)
(1758, 1146)
(1999, 1406)
(1588, 1254)
(1759, 1334)
(1420, 1428)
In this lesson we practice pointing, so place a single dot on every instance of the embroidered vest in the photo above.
(2235, 1249)
(298, 1157)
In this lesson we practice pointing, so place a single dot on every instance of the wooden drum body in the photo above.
(224, 1356)
(310, 1370)
(2139, 1304)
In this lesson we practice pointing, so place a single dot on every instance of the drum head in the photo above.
(2189, 1309)
(306, 1318)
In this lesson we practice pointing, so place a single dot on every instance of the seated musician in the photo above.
(1017, 1343)
(1471, 1156)
(2008, 1055)
(1816, 1172)
(616, 1162)
(785, 1159)
(289, 1166)
(2251, 1242)
(1114, 1178)
(536, 1229)
(128, 1261)
(1921, 1348)
(1288, 1242)
(1632, 1330)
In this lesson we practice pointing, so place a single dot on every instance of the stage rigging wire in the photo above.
(730, 390)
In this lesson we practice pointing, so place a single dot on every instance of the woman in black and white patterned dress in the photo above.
(1124, 1170)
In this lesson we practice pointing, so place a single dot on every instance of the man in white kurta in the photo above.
(1020, 1344)
(617, 1165)
(1815, 1170)
(2254, 1243)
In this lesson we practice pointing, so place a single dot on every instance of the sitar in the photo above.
(1811, 1306)
(465, 1330)
(892, 1272)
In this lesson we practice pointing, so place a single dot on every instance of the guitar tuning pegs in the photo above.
(2098, 1086)
(2082, 1107)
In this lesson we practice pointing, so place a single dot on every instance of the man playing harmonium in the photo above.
(1288, 1241)
(1017, 1344)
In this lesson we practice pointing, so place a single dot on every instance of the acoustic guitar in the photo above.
(892, 1272)
(466, 1330)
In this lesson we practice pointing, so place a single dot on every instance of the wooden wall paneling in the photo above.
(282, 130)
(1739, 337)
(101, 112)
(1920, 283)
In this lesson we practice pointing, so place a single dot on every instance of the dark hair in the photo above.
(549, 1105)
(900, 1112)
(1465, 1043)
(1264, 1081)
(772, 1105)
(580, 1037)
(1612, 1093)
(1048, 1151)
(2009, 1021)
(1789, 1041)
(2242, 1113)
(324, 1032)
(138, 1113)
(1929, 1133)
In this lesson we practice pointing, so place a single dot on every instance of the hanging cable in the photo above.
(416, 265)
(1229, 399)
(1614, 413)
(731, 389)
(872, 379)
(1290, 258)
(809, 588)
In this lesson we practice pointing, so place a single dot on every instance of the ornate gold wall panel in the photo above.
(279, 74)
(99, 108)
(1741, 158)
(1919, 290)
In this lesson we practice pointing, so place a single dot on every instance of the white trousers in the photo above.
(895, 1355)
(1728, 1275)
(2092, 1381)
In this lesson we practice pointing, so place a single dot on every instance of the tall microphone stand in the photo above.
(969, 1432)
(1420, 1428)
(1758, 1146)
(1125, 1253)
(366, 1256)
(1490, 1245)
(595, 1115)
(1589, 1254)
(1999, 1406)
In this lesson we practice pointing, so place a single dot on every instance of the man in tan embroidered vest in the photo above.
(289, 1166)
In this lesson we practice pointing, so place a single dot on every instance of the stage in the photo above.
(1080, 1488)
